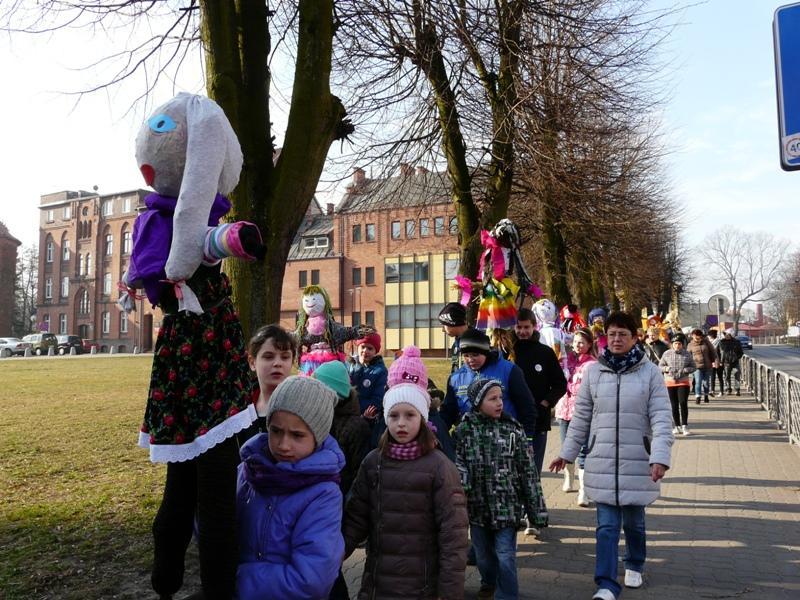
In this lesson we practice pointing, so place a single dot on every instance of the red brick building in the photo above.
(8, 269)
(386, 256)
(85, 241)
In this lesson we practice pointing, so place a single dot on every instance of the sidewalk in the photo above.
(727, 524)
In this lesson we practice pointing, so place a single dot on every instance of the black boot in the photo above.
(737, 393)
(705, 398)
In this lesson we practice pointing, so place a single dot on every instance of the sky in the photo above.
(720, 122)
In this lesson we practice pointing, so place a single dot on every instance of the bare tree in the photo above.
(745, 264)
(26, 279)
(237, 40)
(785, 302)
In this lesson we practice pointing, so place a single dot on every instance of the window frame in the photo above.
(314, 276)
(369, 232)
(410, 228)
(355, 233)
(395, 230)
(438, 226)
(302, 279)
(355, 276)
(424, 227)
(369, 276)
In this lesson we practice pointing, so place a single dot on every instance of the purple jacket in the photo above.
(152, 238)
(290, 544)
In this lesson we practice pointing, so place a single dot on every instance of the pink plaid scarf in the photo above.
(408, 451)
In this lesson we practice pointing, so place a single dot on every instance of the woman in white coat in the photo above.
(623, 413)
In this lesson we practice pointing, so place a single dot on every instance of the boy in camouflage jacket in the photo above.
(501, 484)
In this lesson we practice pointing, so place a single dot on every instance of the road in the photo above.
(782, 358)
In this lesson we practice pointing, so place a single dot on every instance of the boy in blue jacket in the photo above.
(288, 499)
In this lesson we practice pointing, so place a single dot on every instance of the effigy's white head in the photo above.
(314, 304)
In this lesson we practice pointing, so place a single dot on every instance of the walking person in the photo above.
(622, 403)
(453, 318)
(731, 353)
(501, 484)
(677, 365)
(408, 503)
(717, 370)
(585, 354)
(704, 358)
(654, 346)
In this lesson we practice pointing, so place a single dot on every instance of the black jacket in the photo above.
(655, 350)
(543, 375)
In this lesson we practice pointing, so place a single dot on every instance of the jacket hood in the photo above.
(325, 460)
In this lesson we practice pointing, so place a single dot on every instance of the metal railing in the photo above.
(777, 392)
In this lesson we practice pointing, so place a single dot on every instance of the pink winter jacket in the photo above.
(566, 405)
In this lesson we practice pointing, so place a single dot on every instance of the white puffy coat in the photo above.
(627, 421)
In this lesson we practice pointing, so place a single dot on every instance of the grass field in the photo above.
(77, 497)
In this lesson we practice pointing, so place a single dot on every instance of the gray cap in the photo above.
(309, 399)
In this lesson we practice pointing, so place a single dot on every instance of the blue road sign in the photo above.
(786, 32)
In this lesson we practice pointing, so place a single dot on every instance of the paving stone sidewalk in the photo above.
(727, 524)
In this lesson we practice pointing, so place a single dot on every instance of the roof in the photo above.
(5, 234)
(312, 226)
(413, 189)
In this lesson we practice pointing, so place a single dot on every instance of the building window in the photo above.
(314, 276)
(48, 288)
(356, 276)
(356, 233)
(451, 268)
(395, 230)
(126, 241)
(67, 212)
(356, 317)
(109, 244)
(83, 306)
(411, 229)
(107, 284)
(422, 317)
(46, 323)
(123, 322)
(315, 242)
(51, 216)
(405, 272)
(392, 320)
(88, 264)
(49, 250)
(65, 250)
(438, 226)
(303, 279)
(370, 229)
(106, 322)
(62, 323)
(108, 208)
(369, 275)
(126, 205)
(453, 225)
(391, 273)
(424, 227)
(369, 317)
(64, 286)
(407, 316)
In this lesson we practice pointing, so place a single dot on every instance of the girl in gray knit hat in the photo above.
(288, 499)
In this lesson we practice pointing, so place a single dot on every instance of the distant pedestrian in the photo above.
(731, 353)
(623, 404)
(704, 357)
(677, 365)
(717, 370)
(408, 503)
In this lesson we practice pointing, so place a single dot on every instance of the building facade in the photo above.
(85, 243)
(387, 257)
(8, 270)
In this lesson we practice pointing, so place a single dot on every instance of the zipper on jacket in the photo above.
(616, 470)
(380, 523)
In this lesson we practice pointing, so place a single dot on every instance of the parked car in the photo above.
(41, 342)
(745, 341)
(66, 342)
(12, 346)
(87, 346)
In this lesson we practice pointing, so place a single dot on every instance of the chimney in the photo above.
(759, 314)
(359, 177)
(329, 208)
(422, 171)
(406, 169)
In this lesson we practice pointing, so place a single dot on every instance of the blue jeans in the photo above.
(563, 428)
(496, 553)
(702, 377)
(609, 520)
(539, 446)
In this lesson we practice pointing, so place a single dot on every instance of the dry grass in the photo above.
(78, 497)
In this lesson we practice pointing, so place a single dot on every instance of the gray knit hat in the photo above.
(309, 399)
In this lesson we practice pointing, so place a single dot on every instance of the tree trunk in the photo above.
(273, 196)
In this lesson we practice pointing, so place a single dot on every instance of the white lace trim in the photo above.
(165, 453)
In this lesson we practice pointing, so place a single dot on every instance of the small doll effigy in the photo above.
(570, 319)
(550, 334)
(320, 337)
(200, 384)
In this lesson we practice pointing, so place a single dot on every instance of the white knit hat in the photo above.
(406, 393)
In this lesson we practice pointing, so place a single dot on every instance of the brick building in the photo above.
(8, 269)
(387, 256)
(85, 241)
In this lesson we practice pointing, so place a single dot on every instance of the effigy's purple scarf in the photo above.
(152, 237)
(270, 480)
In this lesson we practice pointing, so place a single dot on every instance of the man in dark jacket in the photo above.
(654, 346)
(731, 352)
(543, 375)
(453, 318)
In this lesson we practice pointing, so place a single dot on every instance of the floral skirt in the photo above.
(201, 384)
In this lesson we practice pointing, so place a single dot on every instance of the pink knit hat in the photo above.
(409, 368)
